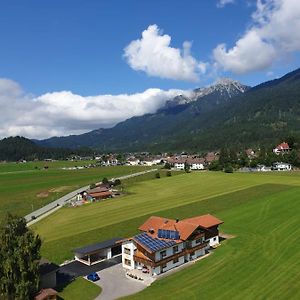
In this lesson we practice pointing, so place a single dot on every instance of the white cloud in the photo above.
(274, 34)
(64, 113)
(222, 3)
(154, 55)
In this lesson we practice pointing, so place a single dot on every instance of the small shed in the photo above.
(46, 294)
(47, 272)
(93, 254)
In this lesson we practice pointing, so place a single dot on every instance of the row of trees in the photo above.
(231, 159)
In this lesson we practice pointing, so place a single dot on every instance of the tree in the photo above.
(92, 186)
(187, 167)
(117, 182)
(167, 166)
(105, 180)
(19, 259)
(214, 166)
(224, 157)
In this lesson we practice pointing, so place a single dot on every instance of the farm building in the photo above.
(281, 166)
(166, 243)
(47, 272)
(93, 254)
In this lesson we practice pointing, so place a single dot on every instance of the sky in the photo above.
(71, 66)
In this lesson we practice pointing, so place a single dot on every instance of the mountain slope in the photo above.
(224, 114)
(19, 148)
(137, 132)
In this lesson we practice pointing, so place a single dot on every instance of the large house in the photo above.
(165, 243)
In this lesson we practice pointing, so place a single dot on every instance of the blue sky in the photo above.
(78, 46)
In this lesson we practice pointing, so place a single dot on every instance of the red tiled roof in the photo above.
(101, 194)
(45, 293)
(185, 227)
(283, 146)
(205, 221)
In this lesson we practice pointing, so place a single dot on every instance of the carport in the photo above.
(96, 253)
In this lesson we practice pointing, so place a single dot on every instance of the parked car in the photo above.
(93, 277)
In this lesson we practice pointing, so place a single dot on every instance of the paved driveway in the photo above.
(74, 269)
(115, 284)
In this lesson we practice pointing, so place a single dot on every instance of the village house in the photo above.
(179, 163)
(282, 148)
(132, 161)
(211, 157)
(100, 192)
(281, 166)
(196, 163)
(164, 244)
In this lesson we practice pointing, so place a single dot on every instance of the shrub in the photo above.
(169, 174)
(92, 186)
(105, 180)
(157, 175)
(117, 182)
(228, 169)
(167, 166)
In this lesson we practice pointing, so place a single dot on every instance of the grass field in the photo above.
(261, 210)
(24, 188)
(80, 289)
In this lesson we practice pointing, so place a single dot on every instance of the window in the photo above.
(127, 262)
(164, 266)
(199, 241)
(163, 254)
(175, 260)
(127, 251)
(175, 249)
(215, 238)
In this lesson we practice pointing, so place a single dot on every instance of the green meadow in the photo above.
(262, 211)
(27, 187)
(81, 289)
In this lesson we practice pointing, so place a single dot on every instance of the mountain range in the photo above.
(226, 113)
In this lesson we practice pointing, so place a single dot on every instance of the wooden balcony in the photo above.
(141, 258)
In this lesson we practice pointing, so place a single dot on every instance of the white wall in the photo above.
(213, 241)
(129, 245)
(169, 251)
(195, 244)
(170, 265)
(179, 166)
(197, 167)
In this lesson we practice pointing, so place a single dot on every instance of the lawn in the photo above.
(261, 262)
(80, 289)
(71, 228)
(27, 189)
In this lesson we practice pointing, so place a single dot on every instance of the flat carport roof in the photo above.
(99, 246)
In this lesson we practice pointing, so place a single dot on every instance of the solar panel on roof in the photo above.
(153, 244)
(168, 234)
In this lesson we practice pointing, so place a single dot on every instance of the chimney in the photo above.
(177, 220)
(151, 230)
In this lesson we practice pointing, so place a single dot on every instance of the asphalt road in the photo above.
(53, 206)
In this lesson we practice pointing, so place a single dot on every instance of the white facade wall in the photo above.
(170, 265)
(131, 246)
(283, 167)
(197, 166)
(213, 241)
(179, 166)
(169, 251)
(198, 253)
